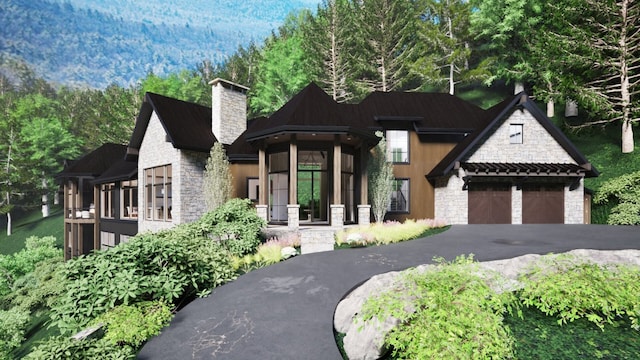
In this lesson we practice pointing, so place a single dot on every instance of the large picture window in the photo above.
(398, 146)
(107, 201)
(158, 193)
(399, 196)
(129, 200)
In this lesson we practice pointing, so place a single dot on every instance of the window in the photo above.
(107, 200)
(399, 196)
(129, 200)
(253, 189)
(515, 133)
(398, 146)
(158, 193)
(107, 240)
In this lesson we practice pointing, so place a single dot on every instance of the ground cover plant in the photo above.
(451, 312)
(388, 232)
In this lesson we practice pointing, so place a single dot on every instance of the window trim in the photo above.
(407, 209)
(151, 189)
(390, 153)
(107, 201)
(513, 133)
(129, 191)
(249, 181)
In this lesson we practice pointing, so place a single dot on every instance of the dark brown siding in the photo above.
(423, 157)
(489, 203)
(543, 204)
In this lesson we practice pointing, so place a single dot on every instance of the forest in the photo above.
(585, 51)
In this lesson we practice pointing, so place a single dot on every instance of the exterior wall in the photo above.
(538, 145)
(156, 151)
(189, 186)
(423, 157)
(574, 205)
(451, 201)
(516, 205)
(240, 174)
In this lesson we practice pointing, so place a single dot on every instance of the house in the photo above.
(307, 162)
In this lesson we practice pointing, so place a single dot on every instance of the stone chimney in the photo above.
(228, 110)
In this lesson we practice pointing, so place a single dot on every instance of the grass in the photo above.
(31, 224)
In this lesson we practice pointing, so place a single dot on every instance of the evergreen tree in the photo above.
(380, 175)
(218, 181)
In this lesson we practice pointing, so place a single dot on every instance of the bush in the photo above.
(623, 193)
(66, 348)
(387, 232)
(133, 324)
(170, 266)
(13, 323)
(14, 266)
(236, 224)
(457, 315)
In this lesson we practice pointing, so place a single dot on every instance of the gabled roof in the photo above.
(188, 125)
(119, 171)
(496, 115)
(310, 110)
(94, 163)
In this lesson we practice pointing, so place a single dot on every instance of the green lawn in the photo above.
(31, 224)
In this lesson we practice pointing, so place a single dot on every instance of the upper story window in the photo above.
(107, 201)
(515, 133)
(129, 200)
(398, 146)
(157, 195)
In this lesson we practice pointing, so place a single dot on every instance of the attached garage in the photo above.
(489, 203)
(543, 204)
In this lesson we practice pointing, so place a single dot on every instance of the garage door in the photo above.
(543, 204)
(489, 203)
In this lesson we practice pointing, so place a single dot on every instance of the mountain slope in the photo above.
(96, 43)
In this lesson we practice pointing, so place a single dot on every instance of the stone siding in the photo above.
(192, 203)
(228, 111)
(574, 204)
(451, 202)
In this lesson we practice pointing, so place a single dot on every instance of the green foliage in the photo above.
(171, 266)
(217, 181)
(133, 324)
(30, 224)
(624, 192)
(185, 85)
(380, 179)
(38, 289)
(14, 266)
(236, 224)
(13, 323)
(457, 315)
(571, 289)
(66, 348)
(388, 232)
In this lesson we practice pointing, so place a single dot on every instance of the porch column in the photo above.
(337, 207)
(263, 187)
(96, 217)
(293, 208)
(364, 209)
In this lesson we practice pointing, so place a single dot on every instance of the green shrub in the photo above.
(14, 266)
(13, 323)
(570, 289)
(623, 193)
(166, 266)
(38, 289)
(133, 324)
(236, 224)
(66, 348)
(387, 232)
(457, 315)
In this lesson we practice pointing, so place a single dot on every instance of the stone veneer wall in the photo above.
(192, 203)
(156, 151)
(228, 111)
(451, 202)
(574, 204)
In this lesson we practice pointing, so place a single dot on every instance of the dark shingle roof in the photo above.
(94, 163)
(188, 125)
(120, 170)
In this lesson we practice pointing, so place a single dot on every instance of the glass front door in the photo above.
(313, 186)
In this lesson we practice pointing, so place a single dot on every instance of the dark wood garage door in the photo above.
(543, 204)
(489, 203)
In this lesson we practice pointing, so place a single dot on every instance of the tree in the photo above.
(386, 31)
(380, 179)
(185, 85)
(218, 181)
(443, 49)
(327, 36)
(624, 193)
(602, 44)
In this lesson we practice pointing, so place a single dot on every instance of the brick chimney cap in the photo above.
(229, 85)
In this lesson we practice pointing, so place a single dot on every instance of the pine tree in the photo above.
(218, 181)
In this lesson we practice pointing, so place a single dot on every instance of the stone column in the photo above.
(516, 205)
(337, 215)
(364, 215)
(263, 212)
(293, 216)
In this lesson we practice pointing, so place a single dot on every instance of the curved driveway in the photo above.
(285, 311)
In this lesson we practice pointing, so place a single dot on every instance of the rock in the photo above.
(364, 341)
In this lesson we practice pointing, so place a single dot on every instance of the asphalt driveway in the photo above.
(285, 311)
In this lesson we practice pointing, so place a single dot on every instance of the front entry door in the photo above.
(313, 186)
